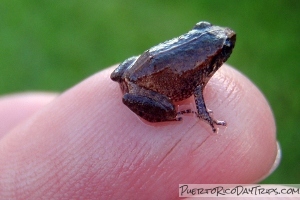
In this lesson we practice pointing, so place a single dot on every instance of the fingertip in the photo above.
(246, 148)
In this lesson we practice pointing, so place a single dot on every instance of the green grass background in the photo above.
(52, 45)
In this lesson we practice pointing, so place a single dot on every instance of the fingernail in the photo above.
(277, 160)
(275, 164)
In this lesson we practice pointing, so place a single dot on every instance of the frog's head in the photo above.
(227, 38)
(219, 40)
(229, 43)
(221, 33)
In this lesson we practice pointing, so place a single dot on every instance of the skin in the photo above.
(86, 144)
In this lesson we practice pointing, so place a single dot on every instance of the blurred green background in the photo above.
(52, 45)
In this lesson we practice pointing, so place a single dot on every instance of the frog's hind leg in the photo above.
(117, 74)
(203, 112)
(150, 105)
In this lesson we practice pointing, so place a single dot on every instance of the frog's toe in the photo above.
(209, 111)
(187, 111)
(218, 122)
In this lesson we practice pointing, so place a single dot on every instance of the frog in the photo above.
(153, 82)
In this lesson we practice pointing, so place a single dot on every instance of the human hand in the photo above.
(86, 144)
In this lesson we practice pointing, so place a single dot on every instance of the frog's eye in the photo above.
(227, 47)
(201, 25)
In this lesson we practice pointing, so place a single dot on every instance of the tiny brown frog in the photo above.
(173, 71)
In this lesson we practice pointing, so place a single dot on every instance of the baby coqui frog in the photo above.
(173, 71)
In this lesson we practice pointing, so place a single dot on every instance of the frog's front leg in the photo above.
(150, 105)
(203, 112)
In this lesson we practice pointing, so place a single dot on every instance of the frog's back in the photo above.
(180, 54)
